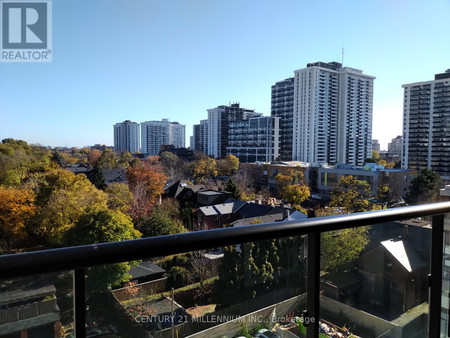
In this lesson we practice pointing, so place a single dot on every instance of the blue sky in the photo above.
(152, 59)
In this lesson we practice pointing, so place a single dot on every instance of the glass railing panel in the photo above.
(445, 305)
(233, 291)
(37, 306)
(374, 280)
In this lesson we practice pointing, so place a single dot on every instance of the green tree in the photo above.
(101, 227)
(228, 286)
(120, 197)
(97, 178)
(351, 194)
(424, 188)
(258, 269)
(19, 161)
(58, 158)
(126, 158)
(233, 189)
(108, 159)
(164, 220)
(340, 249)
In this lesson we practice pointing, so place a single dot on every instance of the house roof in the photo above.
(146, 268)
(296, 216)
(208, 211)
(211, 193)
(404, 253)
(417, 222)
(263, 219)
(26, 293)
(222, 209)
(181, 188)
(254, 210)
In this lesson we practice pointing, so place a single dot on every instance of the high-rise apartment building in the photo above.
(219, 119)
(332, 120)
(426, 125)
(376, 145)
(282, 105)
(200, 136)
(126, 136)
(154, 134)
(255, 139)
(395, 146)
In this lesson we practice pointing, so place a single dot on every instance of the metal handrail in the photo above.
(79, 257)
(70, 258)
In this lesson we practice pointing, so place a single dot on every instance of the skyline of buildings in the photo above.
(426, 125)
(148, 137)
(323, 115)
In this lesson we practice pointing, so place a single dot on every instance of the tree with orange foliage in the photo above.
(146, 182)
(16, 206)
(93, 156)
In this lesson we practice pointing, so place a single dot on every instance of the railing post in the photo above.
(79, 288)
(437, 246)
(313, 285)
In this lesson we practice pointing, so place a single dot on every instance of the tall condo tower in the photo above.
(332, 116)
(126, 136)
(282, 106)
(219, 119)
(154, 134)
(426, 125)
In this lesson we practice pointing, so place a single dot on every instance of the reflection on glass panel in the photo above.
(445, 279)
(374, 280)
(36, 306)
(232, 291)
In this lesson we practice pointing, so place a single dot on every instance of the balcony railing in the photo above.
(81, 257)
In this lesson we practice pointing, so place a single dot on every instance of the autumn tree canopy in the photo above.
(63, 198)
(228, 165)
(293, 188)
(146, 182)
(120, 197)
(203, 168)
(16, 207)
(351, 194)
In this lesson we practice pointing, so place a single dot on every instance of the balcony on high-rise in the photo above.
(286, 278)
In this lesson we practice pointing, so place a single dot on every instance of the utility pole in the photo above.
(171, 310)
